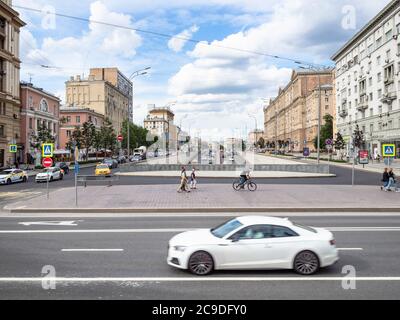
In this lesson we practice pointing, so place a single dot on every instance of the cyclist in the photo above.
(244, 176)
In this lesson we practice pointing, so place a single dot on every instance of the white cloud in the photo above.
(178, 42)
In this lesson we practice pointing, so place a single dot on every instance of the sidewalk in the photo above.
(214, 198)
(371, 167)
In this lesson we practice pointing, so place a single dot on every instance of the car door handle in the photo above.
(268, 246)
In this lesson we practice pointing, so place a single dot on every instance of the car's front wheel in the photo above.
(201, 263)
(306, 263)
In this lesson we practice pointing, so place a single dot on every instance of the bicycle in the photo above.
(251, 186)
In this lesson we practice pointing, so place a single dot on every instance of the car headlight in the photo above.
(180, 248)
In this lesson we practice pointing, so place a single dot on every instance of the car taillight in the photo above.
(332, 242)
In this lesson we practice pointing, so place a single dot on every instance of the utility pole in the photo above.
(319, 119)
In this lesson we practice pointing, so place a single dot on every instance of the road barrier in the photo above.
(85, 178)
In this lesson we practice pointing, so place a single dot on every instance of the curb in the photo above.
(200, 210)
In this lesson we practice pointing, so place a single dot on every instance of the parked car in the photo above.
(112, 163)
(53, 173)
(102, 169)
(63, 165)
(253, 242)
(10, 176)
(136, 158)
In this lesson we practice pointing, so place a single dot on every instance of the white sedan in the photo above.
(52, 174)
(13, 175)
(253, 242)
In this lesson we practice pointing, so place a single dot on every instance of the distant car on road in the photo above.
(62, 165)
(136, 158)
(102, 169)
(53, 173)
(112, 163)
(253, 242)
(10, 176)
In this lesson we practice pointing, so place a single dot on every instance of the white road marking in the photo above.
(172, 230)
(51, 223)
(193, 279)
(350, 249)
(91, 250)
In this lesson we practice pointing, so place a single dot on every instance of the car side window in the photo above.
(281, 232)
(253, 232)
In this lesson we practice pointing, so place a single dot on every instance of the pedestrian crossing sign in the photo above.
(47, 150)
(13, 148)
(389, 150)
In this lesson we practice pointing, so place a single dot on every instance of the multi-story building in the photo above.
(291, 119)
(254, 136)
(72, 117)
(160, 122)
(368, 81)
(38, 109)
(106, 91)
(10, 132)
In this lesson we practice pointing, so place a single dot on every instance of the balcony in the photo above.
(388, 97)
(343, 113)
(362, 106)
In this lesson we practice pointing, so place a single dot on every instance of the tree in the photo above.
(339, 144)
(325, 133)
(261, 142)
(108, 138)
(75, 139)
(137, 136)
(358, 138)
(88, 135)
(43, 136)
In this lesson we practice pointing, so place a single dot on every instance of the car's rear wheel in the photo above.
(24, 179)
(306, 263)
(61, 176)
(201, 263)
(51, 178)
(8, 181)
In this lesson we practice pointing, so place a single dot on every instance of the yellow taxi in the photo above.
(102, 169)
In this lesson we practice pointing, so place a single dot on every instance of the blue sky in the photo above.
(218, 88)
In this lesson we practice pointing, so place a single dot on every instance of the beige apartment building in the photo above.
(160, 122)
(291, 119)
(10, 132)
(106, 91)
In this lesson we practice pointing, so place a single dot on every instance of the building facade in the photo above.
(291, 119)
(254, 136)
(106, 91)
(368, 82)
(38, 109)
(70, 118)
(160, 122)
(10, 132)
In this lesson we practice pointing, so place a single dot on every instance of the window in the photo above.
(281, 232)
(78, 119)
(30, 123)
(380, 109)
(378, 60)
(379, 75)
(225, 228)
(380, 93)
(378, 42)
(44, 107)
(68, 133)
(370, 81)
(388, 35)
(68, 119)
(1, 130)
(371, 128)
(371, 96)
(253, 232)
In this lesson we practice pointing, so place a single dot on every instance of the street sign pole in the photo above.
(47, 187)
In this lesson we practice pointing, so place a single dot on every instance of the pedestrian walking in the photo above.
(193, 181)
(392, 180)
(184, 180)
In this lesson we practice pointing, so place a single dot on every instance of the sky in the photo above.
(215, 90)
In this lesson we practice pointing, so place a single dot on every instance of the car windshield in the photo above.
(102, 167)
(225, 228)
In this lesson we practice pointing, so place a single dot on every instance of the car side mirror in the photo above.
(235, 238)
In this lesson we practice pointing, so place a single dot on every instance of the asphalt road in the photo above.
(136, 266)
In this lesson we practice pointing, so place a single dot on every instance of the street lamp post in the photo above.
(133, 75)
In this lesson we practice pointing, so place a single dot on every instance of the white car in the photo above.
(52, 174)
(253, 242)
(9, 176)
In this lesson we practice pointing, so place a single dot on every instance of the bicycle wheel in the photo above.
(252, 186)
(236, 185)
